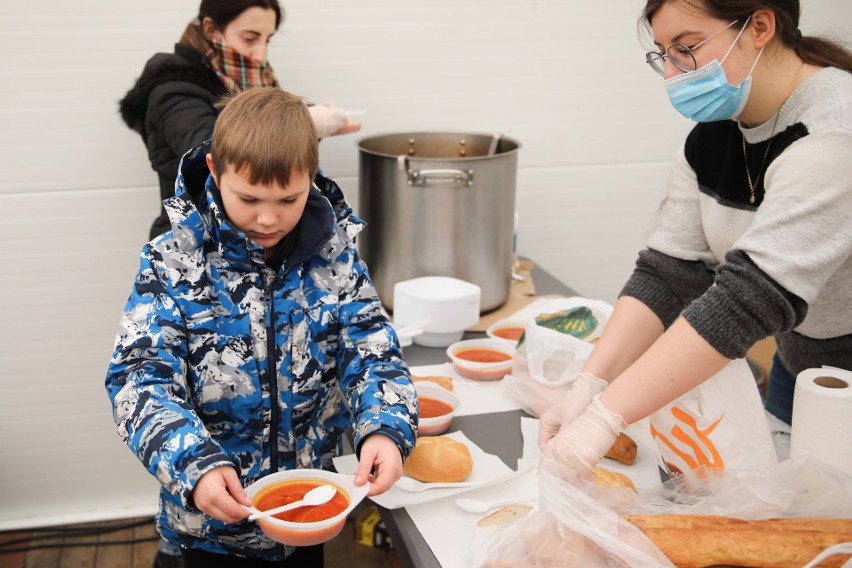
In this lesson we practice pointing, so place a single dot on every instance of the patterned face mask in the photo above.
(237, 71)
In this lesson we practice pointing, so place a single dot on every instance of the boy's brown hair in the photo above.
(266, 134)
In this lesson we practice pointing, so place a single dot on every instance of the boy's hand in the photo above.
(219, 494)
(380, 452)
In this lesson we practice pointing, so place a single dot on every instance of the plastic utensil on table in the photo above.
(316, 496)
(405, 334)
(413, 486)
(476, 506)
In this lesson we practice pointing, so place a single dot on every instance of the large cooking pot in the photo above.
(438, 204)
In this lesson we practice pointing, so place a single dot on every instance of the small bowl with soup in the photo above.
(437, 407)
(506, 330)
(482, 359)
(304, 526)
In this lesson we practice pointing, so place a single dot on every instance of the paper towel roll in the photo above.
(822, 417)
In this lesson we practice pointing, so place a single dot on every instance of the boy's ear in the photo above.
(210, 166)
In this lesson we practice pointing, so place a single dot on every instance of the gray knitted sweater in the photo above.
(739, 272)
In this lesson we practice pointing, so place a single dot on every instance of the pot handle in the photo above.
(425, 177)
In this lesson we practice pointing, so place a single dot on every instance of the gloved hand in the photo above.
(328, 119)
(569, 407)
(580, 445)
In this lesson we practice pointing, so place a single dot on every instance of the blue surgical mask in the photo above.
(704, 95)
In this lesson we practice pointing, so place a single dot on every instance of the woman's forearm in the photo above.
(631, 330)
(678, 362)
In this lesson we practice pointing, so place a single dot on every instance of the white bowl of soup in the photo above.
(482, 359)
(436, 406)
(304, 526)
(506, 330)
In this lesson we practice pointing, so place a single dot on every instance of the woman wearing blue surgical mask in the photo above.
(754, 238)
(173, 103)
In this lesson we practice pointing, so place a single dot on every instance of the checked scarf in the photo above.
(236, 71)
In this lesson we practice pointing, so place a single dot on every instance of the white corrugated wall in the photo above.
(565, 78)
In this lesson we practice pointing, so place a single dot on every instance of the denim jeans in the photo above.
(779, 396)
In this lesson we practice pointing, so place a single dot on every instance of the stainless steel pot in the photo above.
(438, 204)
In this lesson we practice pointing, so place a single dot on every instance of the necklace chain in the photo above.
(753, 184)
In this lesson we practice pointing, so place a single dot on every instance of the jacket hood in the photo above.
(182, 65)
(198, 220)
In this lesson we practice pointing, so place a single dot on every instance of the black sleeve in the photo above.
(184, 114)
(744, 306)
(667, 284)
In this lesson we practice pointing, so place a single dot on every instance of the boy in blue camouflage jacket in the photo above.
(254, 338)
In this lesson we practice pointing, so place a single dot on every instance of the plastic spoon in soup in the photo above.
(316, 496)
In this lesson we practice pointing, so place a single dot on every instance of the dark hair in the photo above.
(223, 12)
(818, 51)
(267, 134)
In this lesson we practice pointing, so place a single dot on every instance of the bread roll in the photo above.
(446, 382)
(504, 515)
(704, 540)
(438, 459)
(612, 478)
(623, 450)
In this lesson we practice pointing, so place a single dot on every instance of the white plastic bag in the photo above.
(574, 526)
(719, 424)
(546, 360)
(800, 487)
(795, 488)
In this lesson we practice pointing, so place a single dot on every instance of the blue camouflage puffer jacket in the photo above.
(219, 360)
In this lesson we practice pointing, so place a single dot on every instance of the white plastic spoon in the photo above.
(414, 486)
(316, 496)
(474, 506)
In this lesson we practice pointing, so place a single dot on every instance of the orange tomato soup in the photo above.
(510, 333)
(480, 355)
(290, 491)
(432, 407)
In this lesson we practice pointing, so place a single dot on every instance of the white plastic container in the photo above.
(451, 306)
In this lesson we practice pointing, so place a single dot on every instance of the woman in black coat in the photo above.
(173, 103)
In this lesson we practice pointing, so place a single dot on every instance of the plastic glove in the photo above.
(328, 119)
(569, 407)
(580, 445)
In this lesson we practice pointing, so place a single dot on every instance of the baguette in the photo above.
(694, 541)
(438, 459)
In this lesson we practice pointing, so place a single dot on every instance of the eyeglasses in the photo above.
(681, 56)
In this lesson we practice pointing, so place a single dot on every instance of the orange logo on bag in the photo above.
(696, 439)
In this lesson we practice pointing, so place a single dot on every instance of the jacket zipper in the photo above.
(271, 360)
(271, 352)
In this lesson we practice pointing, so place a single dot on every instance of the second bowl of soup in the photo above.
(482, 359)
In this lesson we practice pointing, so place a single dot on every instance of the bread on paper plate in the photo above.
(438, 459)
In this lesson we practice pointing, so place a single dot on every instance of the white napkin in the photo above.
(644, 472)
(449, 530)
(475, 397)
(487, 468)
